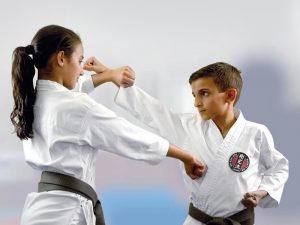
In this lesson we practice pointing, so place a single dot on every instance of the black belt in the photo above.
(245, 217)
(55, 181)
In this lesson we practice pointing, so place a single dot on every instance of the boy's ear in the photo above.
(231, 95)
(60, 58)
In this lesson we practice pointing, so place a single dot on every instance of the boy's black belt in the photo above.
(55, 181)
(245, 217)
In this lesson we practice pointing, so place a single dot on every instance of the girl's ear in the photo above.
(231, 95)
(60, 58)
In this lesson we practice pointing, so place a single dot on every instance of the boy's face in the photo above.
(210, 102)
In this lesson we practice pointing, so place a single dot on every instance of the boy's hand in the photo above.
(251, 199)
(194, 167)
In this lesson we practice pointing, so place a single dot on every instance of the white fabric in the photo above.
(220, 190)
(69, 128)
(84, 84)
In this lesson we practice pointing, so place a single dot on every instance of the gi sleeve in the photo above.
(104, 130)
(151, 112)
(85, 84)
(275, 169)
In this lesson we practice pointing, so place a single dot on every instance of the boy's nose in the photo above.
(197, 102)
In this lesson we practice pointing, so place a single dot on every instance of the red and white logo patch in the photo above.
(239, 162)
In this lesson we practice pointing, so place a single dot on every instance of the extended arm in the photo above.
(104, 130)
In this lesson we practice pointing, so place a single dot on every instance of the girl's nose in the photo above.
(81, 72)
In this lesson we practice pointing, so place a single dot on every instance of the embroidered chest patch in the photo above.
(239, 162)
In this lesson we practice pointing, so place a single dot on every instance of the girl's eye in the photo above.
(81, 61)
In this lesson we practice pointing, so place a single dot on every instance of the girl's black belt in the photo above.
(56, 181)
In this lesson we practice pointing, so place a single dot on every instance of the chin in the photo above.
(70, 87)
(205, 117)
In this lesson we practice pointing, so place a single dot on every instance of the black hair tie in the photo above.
(29, 49)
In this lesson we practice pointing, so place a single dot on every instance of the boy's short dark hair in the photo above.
(225, 76)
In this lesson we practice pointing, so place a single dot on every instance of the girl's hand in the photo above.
(194, 168)
(93, 64)
(123, 76)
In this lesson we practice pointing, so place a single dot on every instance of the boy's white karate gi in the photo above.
(69, 129)
(220, 190)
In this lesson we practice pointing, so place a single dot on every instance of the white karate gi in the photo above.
(69, 128)
(220, 190)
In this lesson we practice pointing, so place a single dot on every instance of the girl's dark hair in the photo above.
(47, 41)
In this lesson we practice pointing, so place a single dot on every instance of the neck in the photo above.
(225, 122)
(44, 75)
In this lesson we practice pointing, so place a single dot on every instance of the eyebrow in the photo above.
(203, 89)
(200, 90)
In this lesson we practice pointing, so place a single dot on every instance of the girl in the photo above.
(62, 130)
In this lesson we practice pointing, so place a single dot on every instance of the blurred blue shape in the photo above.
(142, 206)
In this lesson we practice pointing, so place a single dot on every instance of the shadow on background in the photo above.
(263, 100)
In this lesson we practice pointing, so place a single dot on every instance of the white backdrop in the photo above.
(165, 41)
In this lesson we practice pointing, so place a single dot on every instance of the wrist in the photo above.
(186, 157)
(108, 75)
(100, 78)
(113, 77)
(262, 193)
(178, 153)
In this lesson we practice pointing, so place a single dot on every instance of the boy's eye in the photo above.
(204, 93)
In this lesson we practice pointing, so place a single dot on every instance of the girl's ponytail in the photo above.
(23, 91)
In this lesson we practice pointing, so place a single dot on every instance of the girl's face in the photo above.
(73, 67)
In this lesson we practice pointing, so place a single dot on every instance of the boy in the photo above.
(243, 167)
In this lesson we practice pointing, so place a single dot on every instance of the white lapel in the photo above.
(195, 140)
(218, 161)
(233, 134)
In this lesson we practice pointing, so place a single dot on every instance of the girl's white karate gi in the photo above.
(221, 189)
(69, 128)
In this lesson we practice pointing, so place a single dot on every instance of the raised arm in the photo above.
(87, 84)
(123, 76)
(140, 104)
(151, 112)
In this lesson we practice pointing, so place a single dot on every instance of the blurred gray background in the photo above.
(164, 41)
